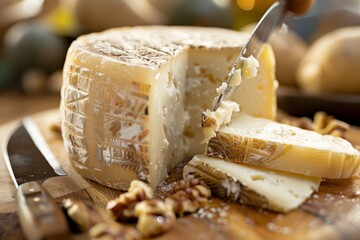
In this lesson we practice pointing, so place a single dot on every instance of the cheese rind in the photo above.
(273, 190)
(269, 144)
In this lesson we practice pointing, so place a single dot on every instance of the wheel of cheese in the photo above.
(132, 98)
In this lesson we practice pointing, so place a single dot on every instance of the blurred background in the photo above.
(35, 35)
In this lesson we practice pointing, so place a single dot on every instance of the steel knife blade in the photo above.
(40, 217)
(24, 159)
(269, 21)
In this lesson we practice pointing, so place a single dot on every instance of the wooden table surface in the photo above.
(331, 213)
(14, 104)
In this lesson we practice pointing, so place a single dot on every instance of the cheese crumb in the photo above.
(235, 78)
(250, 67)
(223, 113)
(222, 88)
(221, 116)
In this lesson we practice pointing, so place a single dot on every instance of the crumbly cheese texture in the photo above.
(260, 187)
(212, 120)
(132, 98)
(222, 114)
(265, 143)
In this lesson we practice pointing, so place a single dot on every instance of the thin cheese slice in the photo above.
(277, 191)
(269, 144)
(132, 98)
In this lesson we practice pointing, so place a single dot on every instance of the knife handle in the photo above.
(40, 217)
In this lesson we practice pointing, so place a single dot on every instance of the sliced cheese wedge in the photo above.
(132, 98)
(273, 190)
(265, 143)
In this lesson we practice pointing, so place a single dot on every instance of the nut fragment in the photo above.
(323, 124)
(122, 208)
(189, 196)
(111, 231)
(326, 124)
(55, 126)
(304, 123)
(82, 216)
(155, 217)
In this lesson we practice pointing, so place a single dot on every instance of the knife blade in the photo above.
(269, 21)
(40, 217)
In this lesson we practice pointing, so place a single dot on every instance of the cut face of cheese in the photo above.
(132, 98)
(265, 143)
(223, 109)
(207, 69)
(273, 190)
(256, 95)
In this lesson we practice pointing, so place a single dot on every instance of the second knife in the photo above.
(40, 216)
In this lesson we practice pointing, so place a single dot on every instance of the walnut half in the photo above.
(326, 124)
(112, 231)
(155, 217)
(123, 207)
(81, 215)
(188, 197)
(323, 124)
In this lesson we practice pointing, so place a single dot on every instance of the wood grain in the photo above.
(331, 213)
(14, 104)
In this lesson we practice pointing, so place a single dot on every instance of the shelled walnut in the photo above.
(123, 207)
(55, 126)
(326, 124)
(155, 217)
(188, 197)
(323, 124)
(81, 215)
(112, 231)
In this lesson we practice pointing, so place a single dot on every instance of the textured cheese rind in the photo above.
(269, 144)
(111, 121)
(99, 121)
(131, 98)
(277, 191)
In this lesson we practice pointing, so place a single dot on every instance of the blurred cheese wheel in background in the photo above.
(95, 15)
(31, 45)
(336, 18)
(167, 7)
(332, 63)
(205, 13)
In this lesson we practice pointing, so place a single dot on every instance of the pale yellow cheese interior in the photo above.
(281, 191)
(208, 69)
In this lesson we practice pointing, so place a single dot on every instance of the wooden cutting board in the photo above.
(331, 213)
